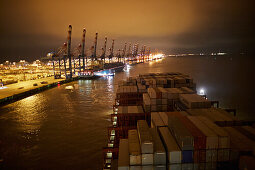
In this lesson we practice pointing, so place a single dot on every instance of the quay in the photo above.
(17, 91)
(66, 65)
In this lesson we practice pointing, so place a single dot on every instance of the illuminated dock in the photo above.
(16, 91)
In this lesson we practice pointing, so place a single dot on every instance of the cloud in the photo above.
(162, 24)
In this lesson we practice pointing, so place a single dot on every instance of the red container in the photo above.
(129, 101)
(199, 156)
(130, 119)
(199, 137)
(120, 133)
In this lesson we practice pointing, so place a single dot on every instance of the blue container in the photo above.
(187, 156)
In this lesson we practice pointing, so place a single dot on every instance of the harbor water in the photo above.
(66, 127)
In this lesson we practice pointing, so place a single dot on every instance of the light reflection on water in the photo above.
(66, 129)
(29, 113)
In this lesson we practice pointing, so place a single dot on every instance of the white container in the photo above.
(173, 93)
(145, 137)
(159, 150)
(174, 154)
(135, 156)
(194, 101)
(147, 159)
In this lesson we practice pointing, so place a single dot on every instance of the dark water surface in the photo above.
(66, 129)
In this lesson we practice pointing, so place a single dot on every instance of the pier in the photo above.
(17, 91)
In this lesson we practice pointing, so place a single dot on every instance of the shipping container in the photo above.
(134, 148)
(224, 139)
(156, 120)
(187, 90)
(145, 137)
(211, 137)
(215, 115)
(194, 101)
(147, 159)
(183, 137)
(123, 159)
(147, 167)
(128, 115)
(164, 117)
(173, 93)
(240, 144)
(159, 167)
(175, 166)
(173, 151)
(187, 166)
(159, 150)
(247, 163)
(187, 156)
(137, 167)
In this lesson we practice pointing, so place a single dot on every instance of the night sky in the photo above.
(31, 28)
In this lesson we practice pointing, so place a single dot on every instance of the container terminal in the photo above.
(160, 122)
(21, 79)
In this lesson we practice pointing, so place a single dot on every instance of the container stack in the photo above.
(223, 152)
(240, 144)
(168, 126)
(146, 143)
(125, 119)
(128, 95)
(211, 143)
(166, 80)
(194, 101)
(132, 93)
(214, 147)
(184, 139)
(174, 154)
(158, 99)
(134, 149)
(123, 160)
(144, 150)
(159, 153)
(219, 116)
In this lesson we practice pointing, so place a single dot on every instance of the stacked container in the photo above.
(158, 99)
(159, 153)
(198, 137)
(135, 156)
(146, 143)
(194, 101)
(128, 115)
(183, 137)
(211, 142)
(224, 139)
(174, 154)
(123, 160)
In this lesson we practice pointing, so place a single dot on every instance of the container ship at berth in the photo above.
(159, 122)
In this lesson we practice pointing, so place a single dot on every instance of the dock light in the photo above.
(202, 92)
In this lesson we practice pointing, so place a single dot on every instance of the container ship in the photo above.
(159, 122)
